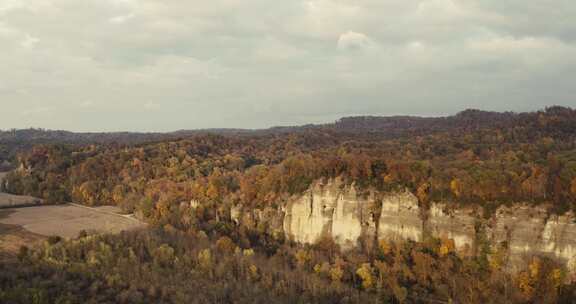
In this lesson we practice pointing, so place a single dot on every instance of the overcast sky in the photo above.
(104, 65)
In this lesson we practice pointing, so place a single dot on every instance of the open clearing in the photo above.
(10, 200)
(30, 225)
(66, 220)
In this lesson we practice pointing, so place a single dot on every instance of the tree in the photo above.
(456, 187)
(225, 245)
(366, 273)
(164, 256)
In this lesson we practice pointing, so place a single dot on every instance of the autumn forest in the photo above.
(186, 185)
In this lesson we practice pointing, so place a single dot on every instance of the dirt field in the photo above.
(13, 237)
(66, 220)
(29, 225)
(9, 200)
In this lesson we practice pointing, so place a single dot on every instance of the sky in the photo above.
(162, 65)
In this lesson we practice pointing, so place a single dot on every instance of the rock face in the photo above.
(353, 219)
(531, 230)
(328, 210)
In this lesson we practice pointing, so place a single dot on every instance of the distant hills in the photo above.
(12, 141)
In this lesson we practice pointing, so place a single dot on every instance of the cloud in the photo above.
(150, 106)
(29, 42)
(38, 111)
(253, 63)
(352, 41)
(121, 19)
(87, 104)
(511, 44)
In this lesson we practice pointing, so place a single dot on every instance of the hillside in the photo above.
(241, 200)
(507, 157)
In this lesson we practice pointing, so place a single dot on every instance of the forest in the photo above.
(195, 253)
(243, 266)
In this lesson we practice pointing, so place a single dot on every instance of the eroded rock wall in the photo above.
(328, 210)
(531, 230)
(353, 218)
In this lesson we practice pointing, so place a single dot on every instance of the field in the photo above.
(66, 220)
(9, 200)
(29, 225)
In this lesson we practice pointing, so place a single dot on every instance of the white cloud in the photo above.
(7, 5)
(121, 19)
(87, 104)
(29, 42)
(444, 8)
(353, 40)
(150, 106)
(37, 111)
(511, 44)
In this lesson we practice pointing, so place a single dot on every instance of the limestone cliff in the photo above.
(353, 218)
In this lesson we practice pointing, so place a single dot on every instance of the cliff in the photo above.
(354, 218)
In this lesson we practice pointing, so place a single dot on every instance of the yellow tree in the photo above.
(456, 187)
(366, 273)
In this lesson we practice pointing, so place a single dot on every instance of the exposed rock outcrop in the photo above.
(354, 218)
